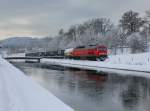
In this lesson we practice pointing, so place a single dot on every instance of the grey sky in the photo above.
(46, 17)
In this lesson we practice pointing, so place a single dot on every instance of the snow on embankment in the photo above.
(135, 62)
(19, 93)
(130, 59)
(15, 55)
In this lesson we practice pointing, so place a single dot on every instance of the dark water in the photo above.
(93, 91)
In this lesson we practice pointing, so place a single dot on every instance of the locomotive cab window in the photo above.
(102, 48)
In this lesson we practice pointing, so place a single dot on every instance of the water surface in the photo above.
(92, 91)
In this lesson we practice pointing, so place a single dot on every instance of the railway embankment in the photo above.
(137, 63)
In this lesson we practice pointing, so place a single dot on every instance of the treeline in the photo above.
(132, 31)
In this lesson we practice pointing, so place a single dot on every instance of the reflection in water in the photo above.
(131, 95)
(93, 91)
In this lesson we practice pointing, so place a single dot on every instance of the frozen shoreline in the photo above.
(20, 93)
(137, 63)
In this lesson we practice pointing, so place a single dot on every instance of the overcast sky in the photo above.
(46, 17)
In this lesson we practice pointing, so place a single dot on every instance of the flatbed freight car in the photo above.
(47, 54)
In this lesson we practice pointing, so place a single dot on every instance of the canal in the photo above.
(90, 90)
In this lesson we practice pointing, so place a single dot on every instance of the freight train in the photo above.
(91, 52)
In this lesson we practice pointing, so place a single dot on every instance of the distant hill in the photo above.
(25, 42)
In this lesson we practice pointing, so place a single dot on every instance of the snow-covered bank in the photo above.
(14, 55)
(96, 65)
(130, 59)
(20, 93)
(135, 63)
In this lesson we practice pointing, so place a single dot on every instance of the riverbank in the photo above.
(139, 63)
(19, 93)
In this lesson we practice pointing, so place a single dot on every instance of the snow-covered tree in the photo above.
(72, 32)
(102, 25)
(61, 32)
(148, 20)
(137, 43)
(131, 22)
(148, 15)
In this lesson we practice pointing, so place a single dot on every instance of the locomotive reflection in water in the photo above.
(91, 52)
(90, 75)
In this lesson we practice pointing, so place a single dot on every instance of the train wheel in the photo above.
(98, 59)
(101, 59)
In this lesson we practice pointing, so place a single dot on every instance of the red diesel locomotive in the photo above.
(90, 53)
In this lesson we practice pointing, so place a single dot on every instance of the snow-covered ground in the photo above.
(130, 59)
(19, 93)
(13, 55)
(137, 63)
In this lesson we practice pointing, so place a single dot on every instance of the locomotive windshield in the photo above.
(102, 48)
